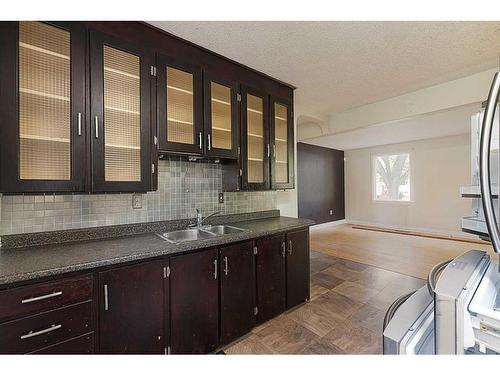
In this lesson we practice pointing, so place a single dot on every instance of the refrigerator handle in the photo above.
(484, 162)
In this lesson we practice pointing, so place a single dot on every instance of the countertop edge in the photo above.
(5, 281)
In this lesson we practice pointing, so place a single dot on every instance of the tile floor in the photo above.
(344, 315)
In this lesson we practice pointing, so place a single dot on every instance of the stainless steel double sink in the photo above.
(202, 233)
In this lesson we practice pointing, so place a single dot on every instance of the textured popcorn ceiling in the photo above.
(341, 65)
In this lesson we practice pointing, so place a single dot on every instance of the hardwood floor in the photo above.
(410, 255)
(355, 276)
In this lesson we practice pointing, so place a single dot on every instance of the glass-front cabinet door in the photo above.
(221, 116)
(282, 140)
(179, 106)
(120, 79)
(43, 124)
(255, 147)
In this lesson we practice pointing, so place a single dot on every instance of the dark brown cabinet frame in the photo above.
(291, 145)
(266, 184)
(196, 148)
(9, 113)
(208, 78)
(97, 41)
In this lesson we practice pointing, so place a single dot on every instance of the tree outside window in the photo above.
(392, 177)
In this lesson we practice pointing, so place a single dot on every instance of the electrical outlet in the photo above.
(136, 201)
(221, 197)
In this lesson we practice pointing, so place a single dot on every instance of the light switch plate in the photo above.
(136, 201)
(221, 197)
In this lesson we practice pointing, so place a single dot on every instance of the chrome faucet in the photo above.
(200, 220)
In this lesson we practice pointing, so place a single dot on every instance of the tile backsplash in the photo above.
(182, 187)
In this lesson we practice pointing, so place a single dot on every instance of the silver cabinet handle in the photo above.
(267, 150)
(106, 300)
(290, 247)
(97, 127)
(39, 298)
(209, 143)
(283, 251)
(484, 162)
(226, 266)
(79, 123)
(199, 140)
(274, 151)
(53, 327)
(215, 269)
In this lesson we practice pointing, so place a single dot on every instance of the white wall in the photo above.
(439, 167)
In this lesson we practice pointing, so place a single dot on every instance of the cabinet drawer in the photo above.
(38, 331)
(79, 345)
(36, 298)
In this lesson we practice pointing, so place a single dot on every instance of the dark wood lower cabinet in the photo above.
(38, 331)
(191, 304)
(297, 268)
(237, 291)
(194, 302)
(83, 344)
(270, 277)
(131, 309)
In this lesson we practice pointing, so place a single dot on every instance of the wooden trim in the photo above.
(418, 234)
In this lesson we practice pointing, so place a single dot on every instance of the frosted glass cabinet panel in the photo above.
(282, 142)
(43, 125)
(120, 127)
(179, 106)
(255, 140)
(221, 117)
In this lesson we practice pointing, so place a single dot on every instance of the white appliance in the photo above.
(458, 312)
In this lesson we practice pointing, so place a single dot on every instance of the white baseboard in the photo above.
(328, 224)
(431, 231)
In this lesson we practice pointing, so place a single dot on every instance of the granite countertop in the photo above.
(29, 263)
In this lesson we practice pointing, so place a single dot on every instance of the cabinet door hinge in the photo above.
(153, 71)
(238, 97)
(255, 310)
(255, 250)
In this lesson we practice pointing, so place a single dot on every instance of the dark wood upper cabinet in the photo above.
(179, 106)
(237, 291)
(255, 145)
(42, 115)
(270, 277)
(221, 116)
(282, 143)
(194, 302)
(120, 115)
(132, 308)
(297, 268)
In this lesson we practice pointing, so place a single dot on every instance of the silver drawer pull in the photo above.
(79, 123)
(39, 298)
(106, 301)
(209, 143)
(215, 269)
(97, 127)
(53, 327)
(226, 267)
(199, 140)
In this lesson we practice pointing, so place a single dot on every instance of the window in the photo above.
(391, 177)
